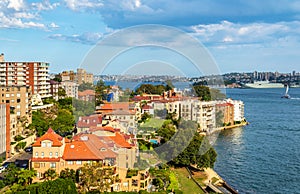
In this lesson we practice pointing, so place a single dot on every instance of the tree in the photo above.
(61, 93)
(20, 146)
(64, 122)
(96, 176)
(169, 85)
(68, 173)
(166, 131)
(100, 92)
(202, 92)
(10, 174)
(50, 174)
(85, 86)
(24, 177)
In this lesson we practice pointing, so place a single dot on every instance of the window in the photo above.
(52, 165)
(49, 144)
(36, 154)
(36, 165)
(18, 100)
(56, 154)
(43, 144)
(50, 154)
(70, 162)
(78, 162)
(42, 154)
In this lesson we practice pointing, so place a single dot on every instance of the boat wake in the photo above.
(295, 98)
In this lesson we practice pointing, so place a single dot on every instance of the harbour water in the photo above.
(263, 157)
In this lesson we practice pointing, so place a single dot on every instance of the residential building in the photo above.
(33, 74)
(85, 122)
(238, 107)
(83, 77)
(87, 95)
(19, 99)
(4, 130)
(225, 111)
(71, 88)
(67, 76)
(114, 151)
(80, 77)
(54, 86)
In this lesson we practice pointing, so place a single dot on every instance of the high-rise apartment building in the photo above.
(19, 98)
(33, 74)
(4, 130)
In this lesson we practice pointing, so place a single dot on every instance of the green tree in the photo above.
(166, 131)
(100, 92)
(10, 174)
(202, 92)
(24, 177)
(68, 173)
(85, 86)
(50, 174)
(61, 93)
(64, 122)
(96, 176)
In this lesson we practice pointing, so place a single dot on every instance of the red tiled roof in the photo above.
(87, 147)
(49, 135)
(88, 121)
(45, 159)
(86, 93)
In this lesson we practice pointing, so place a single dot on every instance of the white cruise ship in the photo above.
(263, 84)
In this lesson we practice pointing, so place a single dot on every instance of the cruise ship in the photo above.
(263, 84)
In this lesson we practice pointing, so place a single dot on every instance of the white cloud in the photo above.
(253, 33)
(82, 4)
(85, 38)
(16, 4)
(53, 25)
(45, 5)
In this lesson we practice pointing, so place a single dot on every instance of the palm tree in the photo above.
(50, 174)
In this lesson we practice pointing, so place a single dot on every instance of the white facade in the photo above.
(71, 88)
(238, 109)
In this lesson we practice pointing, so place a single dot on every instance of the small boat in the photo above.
(286, 95)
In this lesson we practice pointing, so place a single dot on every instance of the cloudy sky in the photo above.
(240, 35)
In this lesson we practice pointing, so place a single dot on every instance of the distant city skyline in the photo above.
(241, 36)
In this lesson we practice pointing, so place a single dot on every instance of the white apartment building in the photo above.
(238, 109)
(71, 88)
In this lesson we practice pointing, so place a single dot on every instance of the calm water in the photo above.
(263, 157)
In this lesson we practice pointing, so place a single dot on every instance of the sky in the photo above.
(239, 35)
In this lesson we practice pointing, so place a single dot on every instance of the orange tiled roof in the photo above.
(106, 128)
(52, 136)
(87, 147)
(225, 104)
(118, 139)
(87, 92)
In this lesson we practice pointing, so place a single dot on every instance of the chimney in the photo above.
(1, 57)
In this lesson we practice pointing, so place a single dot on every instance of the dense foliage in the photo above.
(85, 86)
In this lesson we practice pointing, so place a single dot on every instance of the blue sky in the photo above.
(240, 35)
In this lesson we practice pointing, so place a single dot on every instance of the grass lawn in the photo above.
(185, 184)
(153, 122)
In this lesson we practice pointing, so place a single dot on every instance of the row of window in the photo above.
(42, 154)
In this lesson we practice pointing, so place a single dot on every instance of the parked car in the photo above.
(28, 149)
